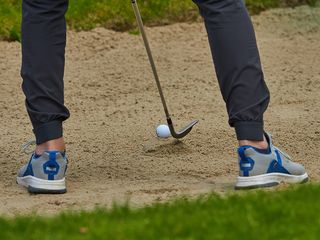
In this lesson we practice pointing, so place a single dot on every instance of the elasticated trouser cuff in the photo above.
(250, 130)
(48, 131)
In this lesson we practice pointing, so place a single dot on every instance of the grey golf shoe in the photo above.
(267, 169)
(45, 173)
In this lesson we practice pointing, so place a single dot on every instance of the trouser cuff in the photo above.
(48, 131)
(252, 131)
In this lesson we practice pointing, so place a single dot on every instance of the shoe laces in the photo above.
(26, 146)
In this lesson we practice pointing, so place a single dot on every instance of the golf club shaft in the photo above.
(147, 45)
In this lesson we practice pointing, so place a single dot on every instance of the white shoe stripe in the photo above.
(41, 183)
(269, 178)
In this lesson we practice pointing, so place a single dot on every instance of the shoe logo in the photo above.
(275, 164)
(51, 167)
(276, 167)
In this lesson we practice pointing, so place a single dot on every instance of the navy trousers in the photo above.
(232, 41)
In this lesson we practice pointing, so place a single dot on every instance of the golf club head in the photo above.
(183, 132)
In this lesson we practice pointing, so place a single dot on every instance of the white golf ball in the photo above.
(163, 131)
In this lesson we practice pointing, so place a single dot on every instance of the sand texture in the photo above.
(113, 151)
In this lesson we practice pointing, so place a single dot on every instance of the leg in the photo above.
(43, 50)
(237, 62)
(240, 76)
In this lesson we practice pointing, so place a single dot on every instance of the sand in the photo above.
(113, 151)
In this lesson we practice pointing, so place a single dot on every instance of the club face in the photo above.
(183, 132)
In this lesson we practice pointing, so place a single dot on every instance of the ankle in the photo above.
(52, 145)
(257, 144)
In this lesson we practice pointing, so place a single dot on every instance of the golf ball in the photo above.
(163, 131)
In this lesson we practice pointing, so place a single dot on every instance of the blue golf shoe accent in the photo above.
(265, 168)
(29, 170)
(275, 167)
(45, 173)
(51, 167)
(246, 163)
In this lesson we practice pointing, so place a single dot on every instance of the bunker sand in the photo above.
(113, 150)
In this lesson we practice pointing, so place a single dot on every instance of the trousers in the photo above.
(232, 41)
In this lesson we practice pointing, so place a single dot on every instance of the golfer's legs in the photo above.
(43, 49)
(237, 63)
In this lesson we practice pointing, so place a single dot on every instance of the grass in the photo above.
(118, 15)
(256, 6)
(289, 214)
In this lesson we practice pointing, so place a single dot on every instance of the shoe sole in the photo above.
(37, 185)
(269, 180)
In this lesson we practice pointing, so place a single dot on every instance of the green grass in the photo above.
(256, 6)
(10, 19)
(290, 214)
(118, 15)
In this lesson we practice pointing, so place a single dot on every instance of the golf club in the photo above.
(183, 132)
